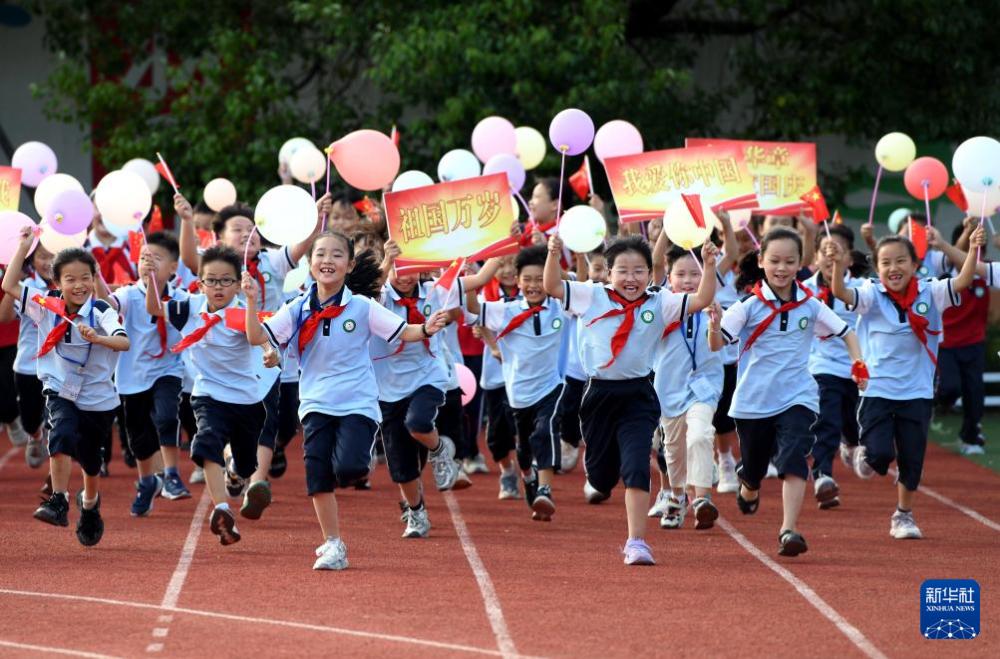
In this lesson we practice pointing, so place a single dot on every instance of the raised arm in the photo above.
(833, 251)
(715, 340)
(188, 238)
(660, 258)
(391, 251)
(552, 276)
(12, 275)
(255, 331)
(968, 272)
(706, 289)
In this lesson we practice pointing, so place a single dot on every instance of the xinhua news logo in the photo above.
(949, 609)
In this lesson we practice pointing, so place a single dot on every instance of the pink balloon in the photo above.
(492, 136)
(571, 131)
(617, 138)
(11, 224)
(467, 381)
(365, 159)
(509, 165)
(36, 161)
(926, 170)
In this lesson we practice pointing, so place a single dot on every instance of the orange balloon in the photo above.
(365, 159)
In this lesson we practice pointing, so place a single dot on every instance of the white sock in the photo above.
(725, 456)
(333, 539)
(88, 504)
(222, 506)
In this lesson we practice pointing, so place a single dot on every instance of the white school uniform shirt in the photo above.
(274, 266)
(531, 352)
(727, 295)
(898, 365)
(686, 370)
(74, 354)
(416, 365)
(491, 376)
(224, 364)
(589, 301)
(27, 333)
(773, 374)
(829, 356)
(572, 367)
(993, 275)
(934, 265)
(336, 376)
(290, 358)
(138, 368)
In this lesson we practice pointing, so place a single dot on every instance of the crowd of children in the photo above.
(641, 354)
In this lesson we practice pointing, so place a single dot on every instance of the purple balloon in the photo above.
(617, 138)
(491, 136)
(571, 132)
(36, 161)
(70, 212)
(509, 165)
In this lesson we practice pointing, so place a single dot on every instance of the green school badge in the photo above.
(803, 323)
(350, 325)
(922, 271)
(427, 309)
(979, 292)
(557, 323)
(922, 308)
(647, 316)
(266, 276)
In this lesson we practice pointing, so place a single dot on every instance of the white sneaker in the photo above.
(508, 485)
(728, 483)
(476, 465)
(16, 432)
(902, 527)
(861, 467)
(443, 462)
(418, 525)
(35, 453)
(570, 456)
(673, 516)
(331, 555)
(772, 471)
(197, 476)
(593, 495)
(660, 505)
(972, 449)
(847, 455)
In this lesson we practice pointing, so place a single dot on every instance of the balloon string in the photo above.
(645, 231)
(562, 178)
(696, 261)
(527, 209)
(871, 209)
(323, 228)
(246, 249)
(826, 225)
(982, 217)
(312, 184)
(927, 201)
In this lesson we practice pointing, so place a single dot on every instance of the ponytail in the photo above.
(859, 264)
(366, 276)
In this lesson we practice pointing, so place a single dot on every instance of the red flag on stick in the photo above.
(817, 203)
(236, 318)
(957, 196)
(165, 172)
(366, 206)
(693, 202)
(837, 219)
(394, 136)
(448, 277)
(580, 182)
(56, 305)
(918, 236)
(136, 241)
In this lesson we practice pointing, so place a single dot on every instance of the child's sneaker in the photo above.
(16, 433)
(902, 526)
(256, 499)
(861, 467)
(791, 543)
(173, 488)
(508, 485)
(728, 482)
(847, 454)
(223, 524)
(331, 555)
(90, 526)
(197, 476)
(705, 513)
(660, 505)
(673, 515)
(34, 452)
(234, 482)
(443, 463)
(637, 552)
(593, 495)
(462, 481)
(972, 449)
(476, 465)
(772, 471)
(826, 490)
(418, 524)
(530, 488)
(54, 510)
(569, 456)
(145, 493)
(543, 507)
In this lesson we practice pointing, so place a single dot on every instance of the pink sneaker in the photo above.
(637, 552)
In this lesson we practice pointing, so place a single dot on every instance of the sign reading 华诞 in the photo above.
(435, 224)
(644, 184)
(782, 171)
(10, 188)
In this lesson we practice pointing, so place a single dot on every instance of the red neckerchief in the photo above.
(775, 311)
(519, 319)
(161, 329)
(625, 328)
(917, 322)
(56, 335)
(107, 259)
(253, 267)
(670, 328)
(194, 337)
(493, 291)
(308, 330)
(823, 293)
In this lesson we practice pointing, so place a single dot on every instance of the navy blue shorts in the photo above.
(895, 430)
(785, 439)
(151, 417)
(618, 418)
(30, 402)
(338, 450)
(499, 423)
(288, 413)
(569, 412)
(272, 406)
(538, 432)
(404, 455)
(722, 422)
(77, 433)
(226, 423)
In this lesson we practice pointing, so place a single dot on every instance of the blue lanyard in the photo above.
(692, 347)
(90, 346)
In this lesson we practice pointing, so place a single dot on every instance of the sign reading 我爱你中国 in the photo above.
(644, 184)
(10, 188)
(782, 171)
(436, 224)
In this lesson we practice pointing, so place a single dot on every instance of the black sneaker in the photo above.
(223, 524)
(54, 510)
(791, 543)
(362, 484)
(530, 490)
(705, 513)
(543, 507)
(90, 526)
(279, 463)
(235, 484)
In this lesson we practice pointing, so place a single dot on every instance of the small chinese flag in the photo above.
(206, 238)
(56, 305)
(394, 136)
(448, 277)
(156, 221)
(817, 203)
(693, 202)
(837, 219)
(366, 206)
(165, 172)
(957, 196)
(580, 182)
(136, 241)
(918, 236)
(236, 318)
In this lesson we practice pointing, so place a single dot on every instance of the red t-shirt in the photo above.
(965, 324)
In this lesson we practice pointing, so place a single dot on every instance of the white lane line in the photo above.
(852, 633)
(489, 595)
(5, 458)
(173, 592)
(160, 632)
(259, 621)
(52, 650)
(982, 519)
(154, 647)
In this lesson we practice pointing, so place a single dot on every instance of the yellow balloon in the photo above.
(530, 146)
(895, 151)
(681, 228)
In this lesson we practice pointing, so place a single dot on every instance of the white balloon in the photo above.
(976, 163)
(582, 228)
(307, 165)
(295, 278)
(289, 148)
(123, 198)
(740, 218)
(681, 228)
(286, 215)
(976, 206)
(56, 242)
(49, 189)
(458, 164)
(146, 170)
(219, 193)
(411, 179)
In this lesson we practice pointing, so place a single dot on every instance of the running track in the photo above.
(490, 581)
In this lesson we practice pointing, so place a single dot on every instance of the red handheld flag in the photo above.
(366, 206)
(957, 196)
(156, 221)
(580, 182)
(817, 203)
(918, 236)
(236, 318)
(837, 219)
(448, 277)
(136, 241)
(394, 136)
(165, 172)
(56, 305)
(693, 202)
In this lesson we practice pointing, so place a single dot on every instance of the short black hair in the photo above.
(598, 251)
(919, 218)
(201, 208)
(677, 253)
(73, 255)
(552, 186)
(227, 213)
(534, 255)
(894, 239)
(165, 241)
(839, 230)
(635, 244)
(224, 254)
